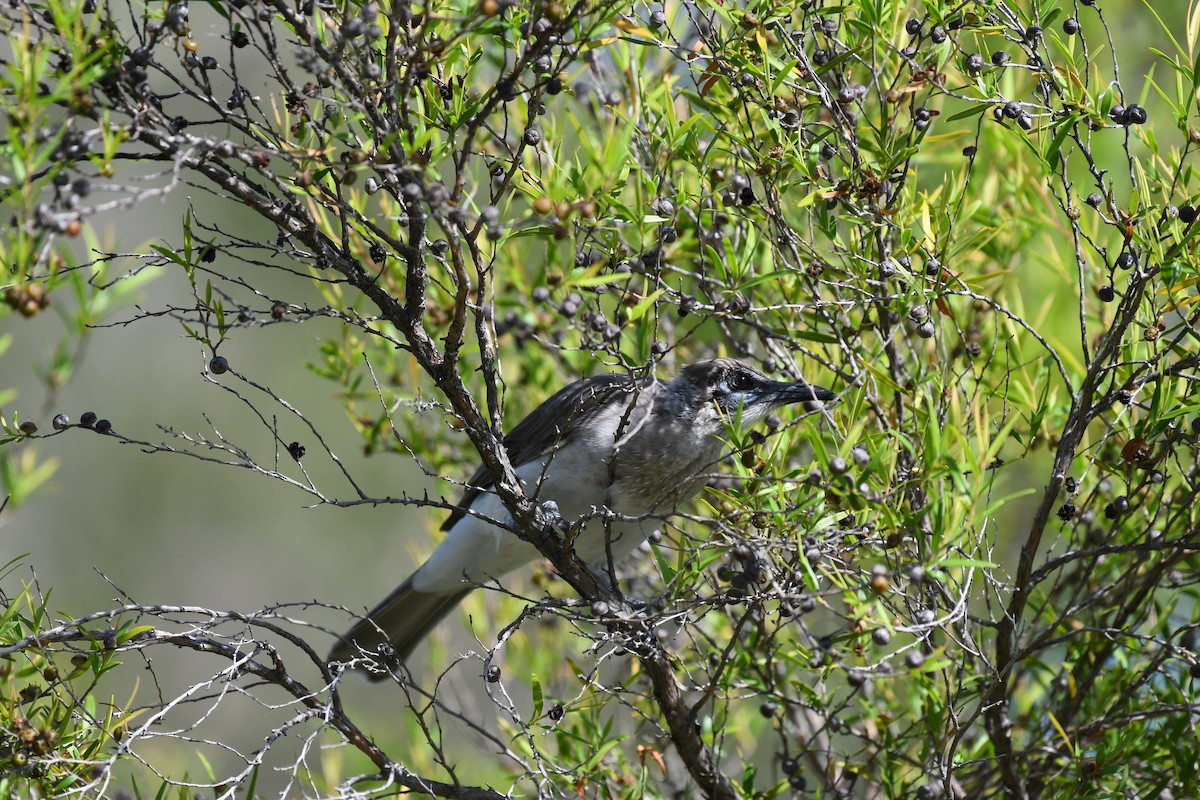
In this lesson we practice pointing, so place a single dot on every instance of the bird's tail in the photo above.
(402, 620)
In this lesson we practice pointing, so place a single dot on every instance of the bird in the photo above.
(636, 447)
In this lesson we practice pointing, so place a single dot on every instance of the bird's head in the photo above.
(723, 389)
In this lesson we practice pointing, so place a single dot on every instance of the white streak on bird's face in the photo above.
(739, 394)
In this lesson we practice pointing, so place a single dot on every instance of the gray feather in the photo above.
(401, 620)
(544, 429)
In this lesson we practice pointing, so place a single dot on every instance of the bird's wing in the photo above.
(545, 429)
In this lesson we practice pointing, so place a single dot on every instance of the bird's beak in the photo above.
(781, 393)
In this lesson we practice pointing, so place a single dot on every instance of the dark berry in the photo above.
(974, 62)
(507, 89)
(838, 466)
(938, 34)
(554, 86)
(296, 450)
(1106, 294)
(1011, 109)
(28, 428)
(768, 709)
(913, 26)
(970, 150)
(532, 137)
(914, 659)
(61, 422)
(999, 58)
(102, 426)
(1071, 26)
(1094, 199)
(556, 712)
(1066, 511)
(1033, 33)
(1125, 260)
(1187, 214)
(657, 19)
(1135, 115)
(210, 62)
(219, 365)
(1071, 485)
(88, 419)
(492, 674)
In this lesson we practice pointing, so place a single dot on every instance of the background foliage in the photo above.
(973, 576)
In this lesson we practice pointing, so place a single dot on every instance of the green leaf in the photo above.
(535, 686)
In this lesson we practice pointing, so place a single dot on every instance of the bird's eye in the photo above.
(738, 381)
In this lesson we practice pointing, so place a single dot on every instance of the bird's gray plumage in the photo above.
(635, 447)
